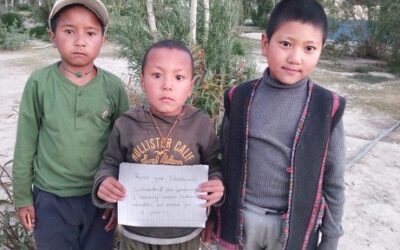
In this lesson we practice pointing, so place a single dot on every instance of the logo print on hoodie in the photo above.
(162, 151)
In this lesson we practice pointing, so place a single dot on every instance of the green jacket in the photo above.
(62, 131)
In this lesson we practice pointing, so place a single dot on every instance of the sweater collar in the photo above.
(268, 80)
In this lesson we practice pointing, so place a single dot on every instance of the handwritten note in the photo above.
(162, 195)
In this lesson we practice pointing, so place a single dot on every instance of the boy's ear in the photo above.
(105, 39)
(264, 44)
(141, 82)
(191, 87)
(52, 35)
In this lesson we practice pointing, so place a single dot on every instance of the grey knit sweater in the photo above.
(274, 116)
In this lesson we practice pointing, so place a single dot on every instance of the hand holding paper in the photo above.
(111, 190)
(214, 190)
(163, 195)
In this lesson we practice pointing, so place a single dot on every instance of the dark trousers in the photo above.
(69, 223)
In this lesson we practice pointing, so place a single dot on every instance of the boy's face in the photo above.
(293, 51)
(167, 80)
(78, 37)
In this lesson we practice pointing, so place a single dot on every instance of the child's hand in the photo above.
(111, 190)
(110, 214)
(214, 190)
(26, 216)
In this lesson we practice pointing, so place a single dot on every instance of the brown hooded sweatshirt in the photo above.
(135, 139)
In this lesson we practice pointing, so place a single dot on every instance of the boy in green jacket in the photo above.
(66, 114)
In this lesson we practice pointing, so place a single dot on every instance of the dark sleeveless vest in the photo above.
(322, 111)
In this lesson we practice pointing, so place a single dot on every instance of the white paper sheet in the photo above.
(162, 195)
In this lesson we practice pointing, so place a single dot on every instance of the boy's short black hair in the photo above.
(305, 11)
(167, 44)
(54, 20)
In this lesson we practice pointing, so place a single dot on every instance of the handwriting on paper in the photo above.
(162, 195)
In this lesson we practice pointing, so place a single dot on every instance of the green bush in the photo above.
(237, 48)
(394, 66)
(217, 61)
(10, 19)
(23, 7)
(379, 31)
(39, 32)
(208, 92)
(41, 12)
(330, 51)
(260, 11)
(129, 28)
(12, 38)
(14, 41)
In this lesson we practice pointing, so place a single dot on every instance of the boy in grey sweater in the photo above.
(283, 144)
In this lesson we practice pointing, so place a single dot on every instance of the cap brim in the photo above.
(95, 6)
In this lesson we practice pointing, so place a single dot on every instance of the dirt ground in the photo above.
(372, 210)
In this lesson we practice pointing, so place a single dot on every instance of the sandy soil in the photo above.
(372, 210)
